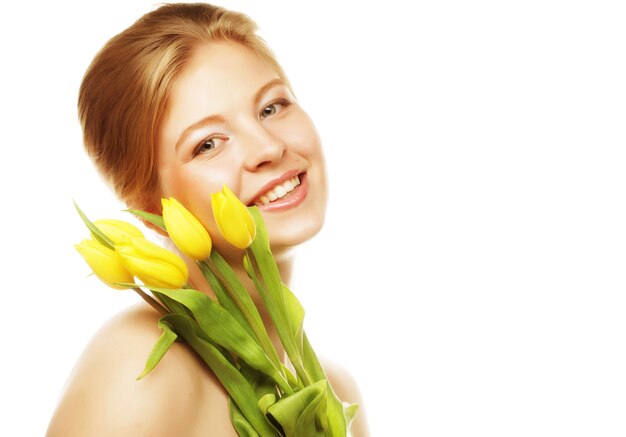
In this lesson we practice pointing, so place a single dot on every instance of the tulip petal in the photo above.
(233, 218)
(217, 200)
(105, 263)
(185, 230)
(118, 230)
(152, 250)
(154, 272)
(152, 264)
(235, 229)
(243, 212)
(250, 224)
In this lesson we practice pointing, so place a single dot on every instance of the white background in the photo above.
(475, 249)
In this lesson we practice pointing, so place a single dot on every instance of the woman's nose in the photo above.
(262, 148)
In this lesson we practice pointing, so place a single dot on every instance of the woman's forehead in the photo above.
(219, 79)
(224, 67)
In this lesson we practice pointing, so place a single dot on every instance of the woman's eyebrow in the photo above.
(198, 124)
(216, 118)
(259, 94)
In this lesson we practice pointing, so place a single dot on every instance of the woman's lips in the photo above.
(273, 184)
(291, 199)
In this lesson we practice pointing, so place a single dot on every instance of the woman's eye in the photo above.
(207, 145)
(273, 108)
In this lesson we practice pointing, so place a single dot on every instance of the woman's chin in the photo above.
(286, 238)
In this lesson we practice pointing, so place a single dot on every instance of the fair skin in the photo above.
(232, 121)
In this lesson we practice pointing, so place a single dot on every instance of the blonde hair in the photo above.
(125, 91)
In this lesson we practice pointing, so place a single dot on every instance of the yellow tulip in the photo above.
(105, 263)
(152, 264)
(185, 230)
(118, 230)
(233, 219)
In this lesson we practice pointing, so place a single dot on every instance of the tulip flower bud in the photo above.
(105, 263)
(155, 266)
(117, 230)
(233, 219)
(185, 230)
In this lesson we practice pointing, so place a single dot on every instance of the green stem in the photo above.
(255, 322)
(279, 313)
(151, 301)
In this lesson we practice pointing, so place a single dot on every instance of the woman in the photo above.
(182, 102)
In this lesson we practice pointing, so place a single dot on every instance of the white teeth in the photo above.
(279, 191)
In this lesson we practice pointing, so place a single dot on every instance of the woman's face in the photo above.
(231, 120)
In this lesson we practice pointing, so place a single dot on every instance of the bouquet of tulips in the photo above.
(267, 399)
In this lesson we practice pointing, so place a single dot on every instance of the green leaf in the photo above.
(170, 304)
(267, 401)
(264, 258)
(232, 380)
(239, 421)
(224, 298)
(97, 233)
(311, 362)
(236, 295)
(296, 316)
(262, 269)
(313, 411)
(293, 381)
(338, 420)
(298, 414)
(221, 328)
(173, 306)
(260, 382)
(265, 390)
(162, 345)
(278, 314)
(155, 219)
(349, 412)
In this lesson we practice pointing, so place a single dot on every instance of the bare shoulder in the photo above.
(102, 397)
(347, 389)
(342, 381)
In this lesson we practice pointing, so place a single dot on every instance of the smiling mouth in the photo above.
(278, 192)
